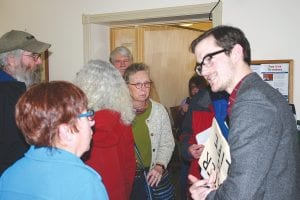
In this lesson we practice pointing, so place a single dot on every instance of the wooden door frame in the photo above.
(102, 22)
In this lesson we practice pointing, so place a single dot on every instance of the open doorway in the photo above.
(165, 49)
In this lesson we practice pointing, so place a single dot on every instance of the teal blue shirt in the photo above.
(47, 174)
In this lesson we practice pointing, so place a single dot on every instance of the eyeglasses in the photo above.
(206, 60)
(34, 56)
(140, 85)
(89, 115)
(121, 61)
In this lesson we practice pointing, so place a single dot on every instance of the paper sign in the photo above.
(216, 155)
(203, 136)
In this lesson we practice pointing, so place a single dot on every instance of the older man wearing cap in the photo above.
(20, 58)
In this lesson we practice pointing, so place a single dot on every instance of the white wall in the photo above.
(271, 26)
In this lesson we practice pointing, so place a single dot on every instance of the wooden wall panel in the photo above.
(166, 51)
(125, 36)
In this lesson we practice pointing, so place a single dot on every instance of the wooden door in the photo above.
(128, 37)
(166, 50)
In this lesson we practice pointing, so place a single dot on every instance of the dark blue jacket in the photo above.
(12, 142)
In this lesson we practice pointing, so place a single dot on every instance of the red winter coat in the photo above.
(201, 121)
(112, 154)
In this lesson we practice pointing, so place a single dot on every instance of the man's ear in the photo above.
(11, 64)
(237, 53)
(11, 60)
(65, 134)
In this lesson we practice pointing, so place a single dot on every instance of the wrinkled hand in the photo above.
(196, 150)
(201, 188)
(154, 176)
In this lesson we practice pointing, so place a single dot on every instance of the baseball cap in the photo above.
(14, 40)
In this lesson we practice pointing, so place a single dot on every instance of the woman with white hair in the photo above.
(121, 58)
(112, 152)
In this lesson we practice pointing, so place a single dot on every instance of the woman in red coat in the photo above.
(112, 152)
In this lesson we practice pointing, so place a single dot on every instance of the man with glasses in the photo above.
(262, 129)
(20, 60)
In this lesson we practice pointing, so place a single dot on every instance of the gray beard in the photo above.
(27, 76)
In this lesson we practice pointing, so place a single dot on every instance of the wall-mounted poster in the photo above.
(278, 73)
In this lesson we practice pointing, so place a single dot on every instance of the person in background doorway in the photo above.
(112, 152)
(20, 60)
(195, 84)
(57, 124)
(262, 135)
(203, 107)
(151, 128)
(121, 58)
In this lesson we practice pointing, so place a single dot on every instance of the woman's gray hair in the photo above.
(134, 68)
(121, 50)
(105, 89)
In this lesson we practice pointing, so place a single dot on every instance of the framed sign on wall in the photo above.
(278, 73)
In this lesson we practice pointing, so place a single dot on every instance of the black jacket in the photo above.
(12, 142)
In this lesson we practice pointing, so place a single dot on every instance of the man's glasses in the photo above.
(206, 60)
(140, 85)
(34, 56)
(89, 115)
